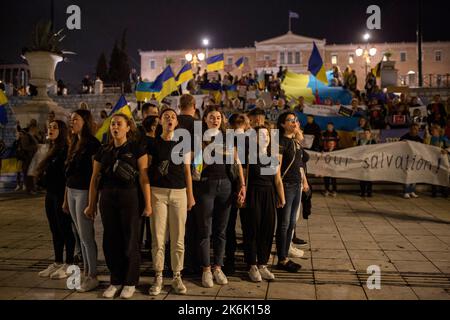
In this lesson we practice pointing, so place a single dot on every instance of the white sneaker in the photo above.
(18, 188)
(61, 273)
(177, 285)
(295, 253)
(266, 274)
(127, 292)
(50, 270)
(88, 284)
(325, 193)
(207, 279)
(111, 292)
(157, 285)
(254, 274)
(220, 277)
(334, 194)
(406, 196)
(24, 188)
(413, 195)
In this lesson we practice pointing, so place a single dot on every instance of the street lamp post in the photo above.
(195, 59)
(366, 53)
(205, 43)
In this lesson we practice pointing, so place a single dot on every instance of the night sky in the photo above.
(176, 24)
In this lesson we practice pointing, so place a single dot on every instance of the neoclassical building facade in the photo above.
(293, 51)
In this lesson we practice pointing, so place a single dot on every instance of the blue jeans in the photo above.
(212, 211)
(78, 201)
(287, 218)
(410, 188)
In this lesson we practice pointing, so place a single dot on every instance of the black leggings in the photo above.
(121, 223)
(61, 228)
(258, 224)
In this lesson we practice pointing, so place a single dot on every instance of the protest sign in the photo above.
(404, 162)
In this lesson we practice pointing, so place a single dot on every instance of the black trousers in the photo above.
(258, 224)
(231, 245)
(60, 226)
(366, 187)
(121, 223)
(330, 184)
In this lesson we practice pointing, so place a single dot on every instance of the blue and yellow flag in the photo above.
(185, 74)
(316, 66)
(164, 84)
(121, 107)
(377, 70)
(3, 103)
(215, 63)
(240, 63)
(144, 91)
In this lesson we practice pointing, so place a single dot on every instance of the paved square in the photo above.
(409, 240)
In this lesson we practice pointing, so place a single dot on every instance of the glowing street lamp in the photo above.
(366, 53)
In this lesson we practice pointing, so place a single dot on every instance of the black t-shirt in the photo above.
(55, 180)
(289, 148)
(256, 177)
(186, 122)
(130, 152)
(163, 172)
(79, 170)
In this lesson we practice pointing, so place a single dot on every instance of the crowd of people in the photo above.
(133, 182)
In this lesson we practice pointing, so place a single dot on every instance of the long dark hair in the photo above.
(77, 144)
(56, 146)
(282, 120)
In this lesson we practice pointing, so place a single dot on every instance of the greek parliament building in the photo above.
(293, 51)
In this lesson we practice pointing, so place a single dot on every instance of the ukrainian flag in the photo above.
(240, 63)
(316, 66)
(121, 107)
(185, 74)
(215, 63)
(144, 91)
(164, 84)
(377, 70)
(3, 103)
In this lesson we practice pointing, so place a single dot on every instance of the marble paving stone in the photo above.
(291, 291)
(391, 293)
(23, 280)
(437, 256)
(368, 254)
(244, 289)
(416, 266)
(329, 254)
(405, 256)
(371, 245)
(321, 244)
(432, 293)
(332, 264)
(44, 294)
(340, 292)
(396, 246)
(7, 293)
(362, 265)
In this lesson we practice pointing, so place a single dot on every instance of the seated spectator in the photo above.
(436, 112)
(363, 124)
(399, 118)
(377, 114)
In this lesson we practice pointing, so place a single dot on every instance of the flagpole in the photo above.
(289, 23)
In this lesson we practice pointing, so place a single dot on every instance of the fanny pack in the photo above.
(124, 171)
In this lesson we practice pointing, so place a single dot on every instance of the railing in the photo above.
(429, 80)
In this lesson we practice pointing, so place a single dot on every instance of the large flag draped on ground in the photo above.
(316, 66)
(300, 85)
(403, 162)
(215, 63)
(3, 103)
(164, 84)
(121, 107)
(185, 74)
